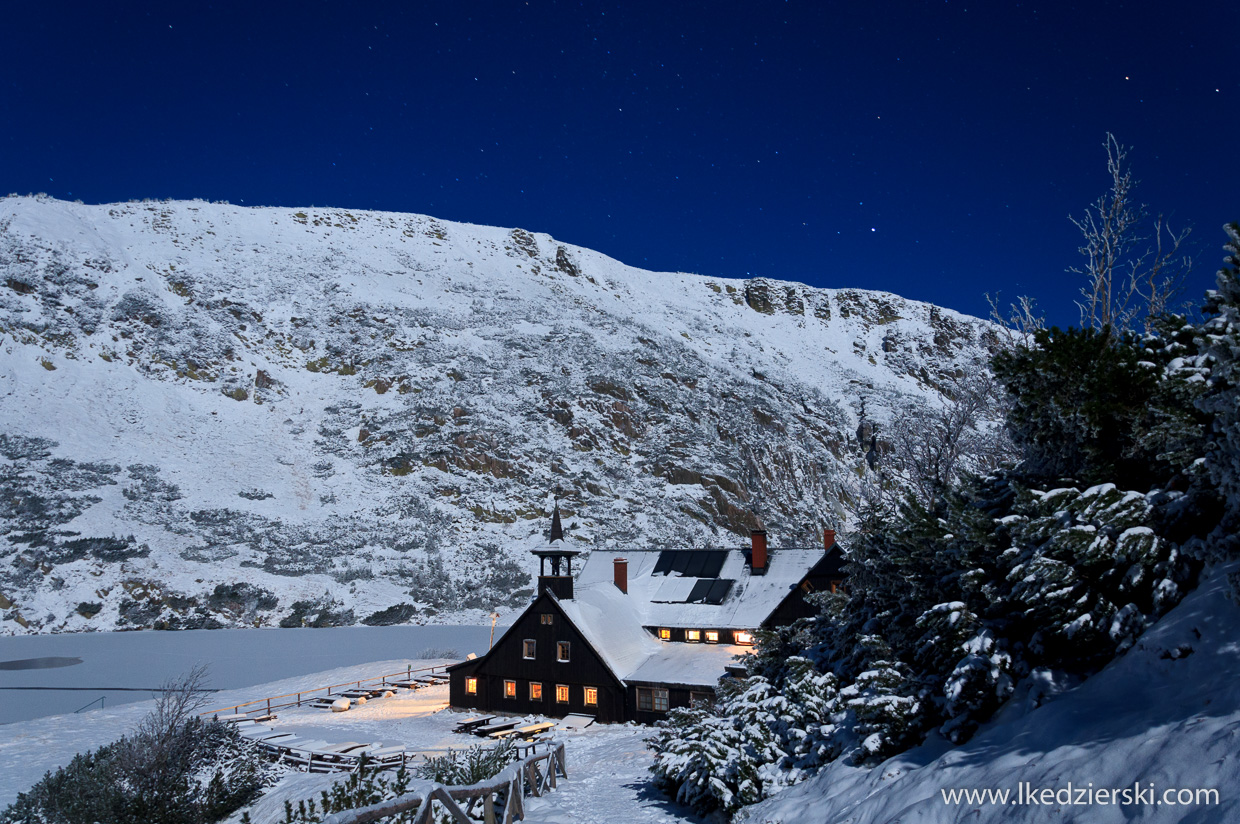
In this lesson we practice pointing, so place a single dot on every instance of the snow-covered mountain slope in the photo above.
(222, 415)
(1160, 723)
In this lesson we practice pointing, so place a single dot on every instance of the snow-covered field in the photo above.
(235, 659)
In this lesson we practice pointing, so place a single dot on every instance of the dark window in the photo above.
(527, 648)
(562, 651)
(701, 698)
(652, 700)
(548, 618)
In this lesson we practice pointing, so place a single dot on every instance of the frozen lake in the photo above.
(54, 674)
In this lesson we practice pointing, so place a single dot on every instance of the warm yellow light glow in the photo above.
(693, 635)
(743, 637)
(712, 636)
(510, 689)
(535, 691)
(471, 686)
(665, 634)
(591, 696)
(561, 693)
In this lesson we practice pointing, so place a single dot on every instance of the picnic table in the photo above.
(487, 729)
(469, 724)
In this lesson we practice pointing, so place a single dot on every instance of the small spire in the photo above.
(557, 529)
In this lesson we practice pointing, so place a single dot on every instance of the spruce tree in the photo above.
(1219, 341)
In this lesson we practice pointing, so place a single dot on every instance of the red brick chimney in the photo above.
(757, 560)
(622, 575)
(828, 539)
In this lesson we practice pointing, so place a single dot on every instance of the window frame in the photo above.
(471, 685)
(536, 686)
(546, 618)
(510, 689)
(585, 695)
(665, 633)
(693, 636)
(529, 649)
(742, 636)
(711, 636)
(563, 652)
(562, 690)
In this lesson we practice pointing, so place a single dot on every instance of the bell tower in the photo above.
(560, 582)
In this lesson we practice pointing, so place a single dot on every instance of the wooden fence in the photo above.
(502, 797)
(296, 699)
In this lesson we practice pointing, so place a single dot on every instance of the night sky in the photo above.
(932, 149)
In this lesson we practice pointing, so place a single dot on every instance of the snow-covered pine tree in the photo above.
(1219, 342)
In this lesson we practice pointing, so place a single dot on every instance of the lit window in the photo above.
(510, 689)
(535, 691)
(693, 635)
(548, 618)
(652, 700)
(665, 634)
(527, 648)
(561, 693)
(591, 696)
(562, 650)
(471, 686)
(837, 585)
(712, 636)
(743, 637)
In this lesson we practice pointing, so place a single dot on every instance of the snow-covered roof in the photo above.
(659, 595)
(614, 622)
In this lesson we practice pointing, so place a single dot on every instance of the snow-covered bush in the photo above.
(174, 769)
(758, 738)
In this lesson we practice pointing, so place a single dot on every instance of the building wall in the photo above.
(506, 661)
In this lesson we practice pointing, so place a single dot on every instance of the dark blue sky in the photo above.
(933, 149)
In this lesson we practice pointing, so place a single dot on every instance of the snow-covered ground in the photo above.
(234, 658)
(606, 764)
(1165, 716)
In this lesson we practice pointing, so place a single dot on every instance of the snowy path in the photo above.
(607, 783)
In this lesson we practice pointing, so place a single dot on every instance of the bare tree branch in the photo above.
(1130, 276)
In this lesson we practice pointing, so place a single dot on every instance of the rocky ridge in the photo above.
(215, 415)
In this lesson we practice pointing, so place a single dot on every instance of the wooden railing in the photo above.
(502, 797)
(309, 695)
